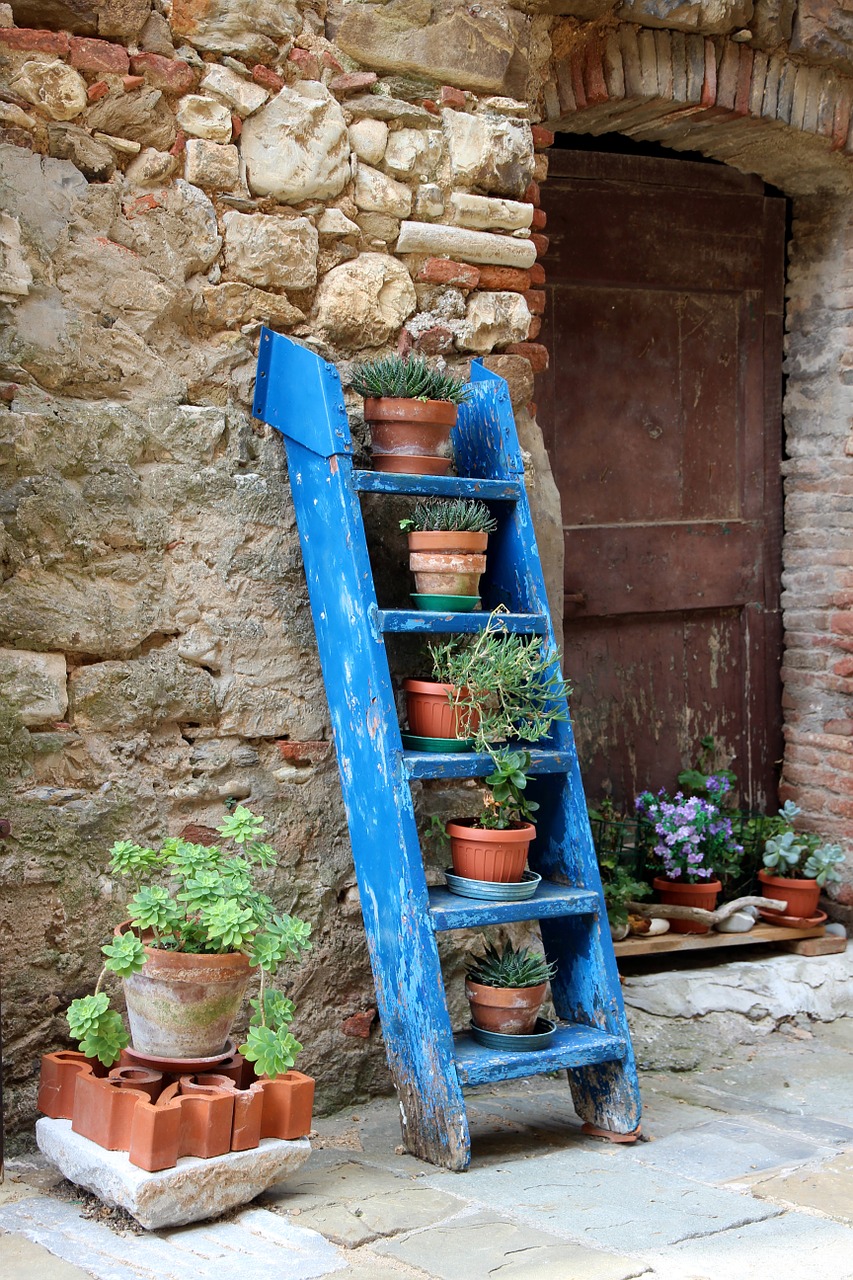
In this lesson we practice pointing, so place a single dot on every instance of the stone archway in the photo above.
(791, 124)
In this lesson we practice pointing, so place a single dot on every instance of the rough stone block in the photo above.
(52, 85)
(296, 146)
(25, 40)
(413, 152)
(211, 165)
(375, 192)
(485, 213)
(151, 168)
(241, 95)
(265, 249)
(143, 117)
(33, 685)
(98, 56)
(171, 74)
(470, 50)
(362, 303)
(206, 118)
(140, 694)
(445, 271)
(193, 1190)
(494, 320)
(254, 28)
(470, 246)
(490, 152)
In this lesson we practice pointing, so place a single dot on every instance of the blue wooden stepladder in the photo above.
(299, 394)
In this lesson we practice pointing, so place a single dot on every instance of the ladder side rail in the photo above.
(380, 813)
(586, 988)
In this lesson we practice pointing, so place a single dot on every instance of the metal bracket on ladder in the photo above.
(300, 395)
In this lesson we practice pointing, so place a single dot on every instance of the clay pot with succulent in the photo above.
(410, 409)
(505, 989)
(194, 938)
(797, 865)
(493, 846)
(447, 552)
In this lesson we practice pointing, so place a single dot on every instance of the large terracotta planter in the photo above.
(675, 894)
(431, 714)
(481, 854)
(512, 1010)
(183, 1006)
(801, 896)
(405, 434)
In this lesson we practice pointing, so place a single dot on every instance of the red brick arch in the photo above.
(761, 113)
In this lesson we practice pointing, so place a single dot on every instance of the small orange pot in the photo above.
(800, 895)
(512, 1010)
(453, 541)
(409, 429)
(447, 573)
(675, 894)
(481, 854)
(431, 714)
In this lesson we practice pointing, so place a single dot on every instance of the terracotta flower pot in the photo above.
(674, 893)
(447, 574)
(512, 1010)
(411, 464)
(801, 896)
(431, 714)
(481, 854)
(409, 429)
(181, 1005)
(444, 541)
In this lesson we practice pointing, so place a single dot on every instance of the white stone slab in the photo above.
(193, 1190)
(468, 246)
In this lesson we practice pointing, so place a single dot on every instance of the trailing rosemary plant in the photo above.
(510, 681)
(510, 968)
(407, 379)
(455, 515)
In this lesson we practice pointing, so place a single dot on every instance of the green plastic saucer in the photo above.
(446, 604)
(414, 742)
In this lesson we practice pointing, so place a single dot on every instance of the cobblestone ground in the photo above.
(747, 1174)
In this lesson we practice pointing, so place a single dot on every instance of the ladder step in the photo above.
(573, 1045)
(419, 620)
(437, 486)
(474, 764)
(449, 911)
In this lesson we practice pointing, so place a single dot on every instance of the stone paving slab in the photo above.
(603, 1200)
(483, 1245)
(827, 1188)
(354, 1203)
(253, 1245)
(21, 1259)
(727, 1148)
(792, 1247)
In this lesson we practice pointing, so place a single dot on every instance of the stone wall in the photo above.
(365, 178)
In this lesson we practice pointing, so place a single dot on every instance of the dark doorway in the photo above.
(662, 417)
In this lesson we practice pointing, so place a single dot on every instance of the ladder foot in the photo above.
(593, 1131)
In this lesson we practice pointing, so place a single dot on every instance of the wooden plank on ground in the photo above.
(662, 943)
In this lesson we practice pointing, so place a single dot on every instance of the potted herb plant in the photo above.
(447, 546)
(506, 988)
(493, 846)
(489, 687)
(797, 865)
(198, 928)
(410, 409)
(695, 845)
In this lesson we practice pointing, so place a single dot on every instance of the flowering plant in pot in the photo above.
(491, 687)
(447, 546)
(506, 988)
(410, 409)
(797, 865)
(695, 846)
(192, 941)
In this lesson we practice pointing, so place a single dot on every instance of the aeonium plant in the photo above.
(203, 900)
(799, 854)
(695, 838)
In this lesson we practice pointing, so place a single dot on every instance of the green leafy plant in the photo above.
(505, 684)
(799, 854)
(703, 779)
(208, 903)
(510, 968)
(457, 515)
(407, 379)
(506, 802)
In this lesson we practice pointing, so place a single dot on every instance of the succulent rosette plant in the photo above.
(694, 838)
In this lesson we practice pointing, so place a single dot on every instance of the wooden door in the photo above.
(662, 415)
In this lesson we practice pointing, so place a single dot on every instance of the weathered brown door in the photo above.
(662, 417)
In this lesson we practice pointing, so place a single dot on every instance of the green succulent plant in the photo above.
(208, 904)
(407, 379)
(456, 515)
(510, 968)
(799, 854)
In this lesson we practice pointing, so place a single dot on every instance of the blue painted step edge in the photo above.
(573, 1046)
(450, 911)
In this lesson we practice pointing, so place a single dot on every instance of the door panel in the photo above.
(662, 415)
